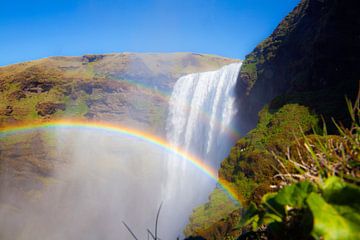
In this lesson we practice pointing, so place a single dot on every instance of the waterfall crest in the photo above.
(201, 111)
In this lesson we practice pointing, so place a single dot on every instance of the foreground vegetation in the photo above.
(251, 163)
(300, 73)
(319, 195)
(314, 191)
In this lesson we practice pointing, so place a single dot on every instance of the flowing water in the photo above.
(200, 121)
(103, 178)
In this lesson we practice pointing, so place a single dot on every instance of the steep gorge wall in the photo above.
(304, 69)
(311, 58)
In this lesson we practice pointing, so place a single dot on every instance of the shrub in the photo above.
(319, 189)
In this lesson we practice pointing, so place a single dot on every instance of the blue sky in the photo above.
(41, 28)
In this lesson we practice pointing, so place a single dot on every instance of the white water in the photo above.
(103, 178)
(201, 111)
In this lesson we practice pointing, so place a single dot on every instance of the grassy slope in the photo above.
(250, 163)
(218, 207)
(301, 72)
(126, 88)
(78, 81)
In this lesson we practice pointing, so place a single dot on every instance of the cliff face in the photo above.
(131, 89)
(301, 72)
(128, 88)
(311, 58)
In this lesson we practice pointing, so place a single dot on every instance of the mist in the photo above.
(99, 179)
(104, 180)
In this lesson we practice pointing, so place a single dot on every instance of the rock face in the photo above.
(301, 72)
(48, 108)
(311, 58)
(128, 88)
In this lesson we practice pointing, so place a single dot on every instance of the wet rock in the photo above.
(17, 95)
(37, 86)
(49, 108)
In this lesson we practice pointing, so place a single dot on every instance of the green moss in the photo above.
(318, 200)
(249, 69)
(327, 102)
(250, 164)
(281, 126)
(244, 185)
(250, 161)
(204, 216)
(24, 109)
(75, 108)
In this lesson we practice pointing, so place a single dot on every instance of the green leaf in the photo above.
(255, 222)
(272, 206)
(269, 218)
(336, 191)
(251, 215)
(294, 195)
(332, 222)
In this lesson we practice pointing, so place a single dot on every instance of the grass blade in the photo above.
(157, 220)
(129, 229)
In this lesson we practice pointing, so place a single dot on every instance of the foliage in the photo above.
(315, 157)
(304, 209)
(316, 177)
(204, 216)
(320, 193)
(248, 69)
(290, 66)
(251, 162)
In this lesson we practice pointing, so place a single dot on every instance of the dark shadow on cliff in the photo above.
(311, 59)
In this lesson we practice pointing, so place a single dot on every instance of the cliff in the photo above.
(292, 80)
(311, 58)
(128, 88)
(131, 89)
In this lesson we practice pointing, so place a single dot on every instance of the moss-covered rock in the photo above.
(251, 165)
(48, 108)
(251, 162)
(204, 216)
(309, 59)
(299, 74)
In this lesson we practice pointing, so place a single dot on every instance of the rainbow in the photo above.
(141, 135)
(164, 96)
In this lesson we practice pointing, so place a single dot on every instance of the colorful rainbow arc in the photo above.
(147, 137)
(204, 116)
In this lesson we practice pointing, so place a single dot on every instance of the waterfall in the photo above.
(201, 111)
(103, 178)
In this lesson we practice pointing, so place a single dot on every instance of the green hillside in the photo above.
(289, 86)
